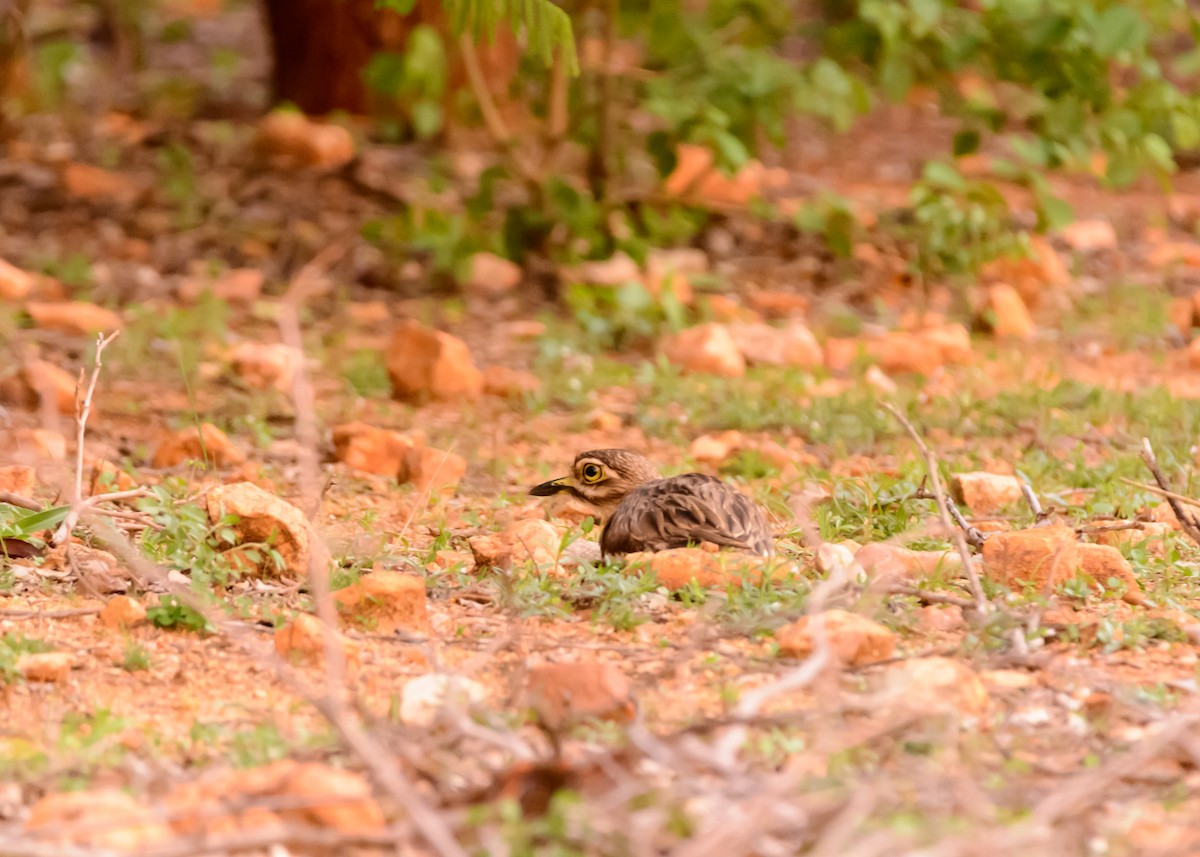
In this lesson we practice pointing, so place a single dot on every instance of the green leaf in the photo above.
(942, 174)
(927, 14)
(1186, 130)
(426, 118)
(1159, 152)
(401, 7)
(731, 152)
(1119, 28)
(1053, 212)
(35, 522)
(547, 27)
(966, 143)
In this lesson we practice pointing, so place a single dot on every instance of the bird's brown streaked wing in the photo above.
(684, 510)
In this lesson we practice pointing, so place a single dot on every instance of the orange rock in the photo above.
(692, 163)
(763, 345)
(262, 518)
(424, 363)
(121, 611)
(1048, 556)
(678, 568)
(1155, 535)
(778, 304)
(509, 383)
(985, 493)
(940, 617)
(696, 177)
(670, 270)
(840, 353)
(1042, 556)
(103, 818)
(1010, 317)
(291, 140)
(567, 693)
(372, 450)
(492, 276)
(617, 270)
(333, 798)
(205, 443)
(266, 365)
(938, 684)
(1106, 566)
(902, 352)
(952, 341)
(885, 562)
(1030, 275)
(852, 639)
(715, 449)
(369, 313)
(107, 477)
(1181, 313)
(1171, 252)
(432, 469)
(302, 641)
(88, 182)
(604, 421)
(15, 284)
(386, 601)
(74, 317)
(18, 479)
(42, 443)
(39, 380)
(1193, 354)
(52, 667)
(706, 348)
(526, 542)
(1088, 236)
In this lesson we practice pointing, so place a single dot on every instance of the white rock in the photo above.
(423, 699)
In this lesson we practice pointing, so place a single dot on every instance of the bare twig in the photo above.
(598, 163)
(326, 840)
(21, 502)
(1170, 495)
(943, 504)
(491, 114)
(972, 533)
(332, 706)
(1187, 519)
(1082, 790)
(83, 409)
(929, 597)
(1040, 515)
(48, 614)
(1110, 528)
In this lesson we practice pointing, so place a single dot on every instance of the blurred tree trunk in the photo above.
(14, 69)
(321, 48)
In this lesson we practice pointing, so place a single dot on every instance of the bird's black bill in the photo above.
(554, 486)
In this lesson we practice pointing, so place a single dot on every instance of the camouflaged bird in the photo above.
(642, 511)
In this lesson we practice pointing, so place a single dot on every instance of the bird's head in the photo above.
(601, 478)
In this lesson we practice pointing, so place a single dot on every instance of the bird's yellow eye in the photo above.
(592, 473)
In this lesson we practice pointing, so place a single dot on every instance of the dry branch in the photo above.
(944, 505)
(1187, 519)
(20, 502)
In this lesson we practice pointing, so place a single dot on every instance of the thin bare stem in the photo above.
(22, 502)
(1170, 495)
(1187, 519)
(943, 505)
(332, 705)
(83, 410)
(495, 123)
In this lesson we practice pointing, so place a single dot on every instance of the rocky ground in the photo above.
(286, 408)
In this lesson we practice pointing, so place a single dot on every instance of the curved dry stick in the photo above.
(931, 464)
